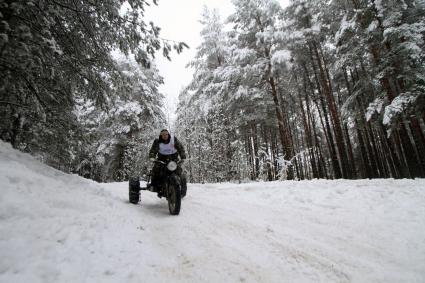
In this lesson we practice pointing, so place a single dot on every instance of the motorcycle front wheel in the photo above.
(174, 198)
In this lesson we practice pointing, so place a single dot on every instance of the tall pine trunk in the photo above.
(327, 91)
(283, 130)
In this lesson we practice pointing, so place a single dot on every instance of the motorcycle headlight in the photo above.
(172, 166)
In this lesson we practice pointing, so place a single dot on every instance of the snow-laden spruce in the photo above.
(56, 227)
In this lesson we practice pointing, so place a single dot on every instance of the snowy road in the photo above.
(61, 228)
(318, 231)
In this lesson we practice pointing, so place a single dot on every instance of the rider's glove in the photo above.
(152, 159)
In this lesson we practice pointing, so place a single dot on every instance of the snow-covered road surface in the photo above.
(61, 228)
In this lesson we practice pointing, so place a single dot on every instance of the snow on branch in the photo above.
(374, 107)
(399, 105)
(281, 59)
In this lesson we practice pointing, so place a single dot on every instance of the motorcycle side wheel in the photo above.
(134, 191)
(174, 199)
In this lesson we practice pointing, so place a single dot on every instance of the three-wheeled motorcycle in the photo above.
(171, 186)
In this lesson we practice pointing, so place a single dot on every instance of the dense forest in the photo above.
(318, 89)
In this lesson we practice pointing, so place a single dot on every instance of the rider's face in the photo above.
(164, 135)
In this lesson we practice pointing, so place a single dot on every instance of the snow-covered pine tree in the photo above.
(255, 25)
(122, 136)
(203, 115)
(53, 52)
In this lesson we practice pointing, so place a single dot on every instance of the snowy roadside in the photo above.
(56, 227)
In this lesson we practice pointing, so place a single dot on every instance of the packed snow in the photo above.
(56, 227)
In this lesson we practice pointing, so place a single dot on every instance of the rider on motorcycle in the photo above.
(166, 148)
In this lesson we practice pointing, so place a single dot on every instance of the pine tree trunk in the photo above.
(274, 142)
(297, 159)
(350, 153)
(366, 169)
(283, 131)
(307, 131)
(402, 152)
(255, 147)
(312, 135)
(371, 150)
(327, 129)
(327, 90)
(200, 177)
(292, 140)
(350, 148)
(395, 148)
(317, 151)
(249, 150)
(229, 153)
(381, 153)
(267, 145)
(412, 155)
(388, 154)
(419, 142)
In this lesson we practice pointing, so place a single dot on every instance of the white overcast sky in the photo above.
(179, 21)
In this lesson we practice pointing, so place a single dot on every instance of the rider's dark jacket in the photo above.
(154, 151)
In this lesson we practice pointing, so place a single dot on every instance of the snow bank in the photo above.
(46, 220)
